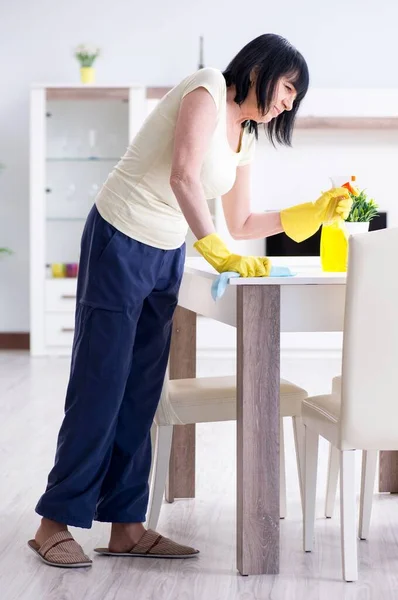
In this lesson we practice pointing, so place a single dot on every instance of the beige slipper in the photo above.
(61, 550)
(153, 545)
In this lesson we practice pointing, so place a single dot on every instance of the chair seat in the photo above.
(208, 399)
(291, 399)
(203, 399)
(322, 414)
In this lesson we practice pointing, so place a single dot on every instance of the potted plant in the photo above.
(362, 212)
(86, 56)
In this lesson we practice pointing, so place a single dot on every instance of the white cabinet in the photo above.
(77, 135)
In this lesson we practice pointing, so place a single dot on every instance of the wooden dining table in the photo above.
(260, 309)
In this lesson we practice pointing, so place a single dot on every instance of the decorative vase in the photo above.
(334, 244)
(87, 74)
(355, 228)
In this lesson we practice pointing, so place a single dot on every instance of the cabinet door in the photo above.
(87, 131)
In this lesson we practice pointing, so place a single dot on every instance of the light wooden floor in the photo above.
(31, 406)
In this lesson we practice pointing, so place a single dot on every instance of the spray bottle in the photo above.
(334, 238)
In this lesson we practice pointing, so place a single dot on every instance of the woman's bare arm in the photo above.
(241, 222)
(195, 125)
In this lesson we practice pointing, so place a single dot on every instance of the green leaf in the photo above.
(363, 209)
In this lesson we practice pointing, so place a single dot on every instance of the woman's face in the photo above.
(283, 99)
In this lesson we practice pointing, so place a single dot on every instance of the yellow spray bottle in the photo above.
(334, 240)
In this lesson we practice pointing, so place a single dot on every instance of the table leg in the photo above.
(258, 384)
(388, 472)
(181, 478)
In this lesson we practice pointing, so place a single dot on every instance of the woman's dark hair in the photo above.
(270, 57)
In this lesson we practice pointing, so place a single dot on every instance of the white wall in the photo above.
(348, 43)
(288, 176)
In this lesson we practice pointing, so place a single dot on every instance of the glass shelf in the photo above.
(83, 159)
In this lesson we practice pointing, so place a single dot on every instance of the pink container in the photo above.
(71, 269)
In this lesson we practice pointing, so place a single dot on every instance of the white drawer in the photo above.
(61, 295)
(59, 329)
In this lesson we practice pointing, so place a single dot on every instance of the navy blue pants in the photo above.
(126, 296)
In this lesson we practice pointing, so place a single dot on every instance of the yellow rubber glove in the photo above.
(302, 221)
(213, 249)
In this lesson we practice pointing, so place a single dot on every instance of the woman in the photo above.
(197, 144)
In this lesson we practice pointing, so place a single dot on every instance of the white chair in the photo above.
(362, 411)
(206, 400)
(334, 468)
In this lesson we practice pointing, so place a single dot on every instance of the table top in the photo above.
(308, 272)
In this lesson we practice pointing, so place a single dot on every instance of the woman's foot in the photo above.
(132, 539)
(55, 546)
(47, 529)
(125, 535)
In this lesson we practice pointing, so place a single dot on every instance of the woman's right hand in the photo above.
(213, 249)
(302, 221)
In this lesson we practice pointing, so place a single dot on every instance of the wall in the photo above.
(349, 42)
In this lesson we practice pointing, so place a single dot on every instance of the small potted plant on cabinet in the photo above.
(86, 56)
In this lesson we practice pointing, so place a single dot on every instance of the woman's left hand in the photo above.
(302, 221)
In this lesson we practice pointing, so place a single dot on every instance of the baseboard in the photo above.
(14, 340)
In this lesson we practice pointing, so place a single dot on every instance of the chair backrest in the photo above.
(369, 412)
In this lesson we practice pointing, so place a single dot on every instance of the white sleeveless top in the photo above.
(137, 197)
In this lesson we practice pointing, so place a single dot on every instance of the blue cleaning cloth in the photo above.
(220, 284)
